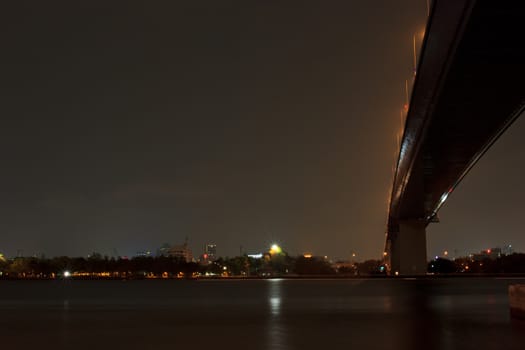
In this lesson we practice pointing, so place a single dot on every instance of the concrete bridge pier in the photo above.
(408, 248)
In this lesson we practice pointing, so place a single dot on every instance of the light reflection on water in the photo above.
(276, 328)
(259, 314)
(275, 306)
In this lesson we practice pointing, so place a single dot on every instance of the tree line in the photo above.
(97, 266)
(513, 263)
(162, 266)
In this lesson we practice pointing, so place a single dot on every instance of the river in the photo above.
(435, 313)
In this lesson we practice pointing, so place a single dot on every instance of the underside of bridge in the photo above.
(469, 88)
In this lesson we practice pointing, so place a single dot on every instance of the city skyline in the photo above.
(209, 251)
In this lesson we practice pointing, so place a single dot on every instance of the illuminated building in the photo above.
(345, 266)
(142, 254)
(492, 254)
(275, 250)
(211, 251)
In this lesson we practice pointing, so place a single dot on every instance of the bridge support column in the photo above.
(409, 249)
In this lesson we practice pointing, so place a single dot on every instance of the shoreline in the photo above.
(287, 277)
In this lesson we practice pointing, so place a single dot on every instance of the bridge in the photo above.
(469, 88)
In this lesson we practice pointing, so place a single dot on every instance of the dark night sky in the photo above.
(129, 124)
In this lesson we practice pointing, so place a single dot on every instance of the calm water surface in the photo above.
(400, 314)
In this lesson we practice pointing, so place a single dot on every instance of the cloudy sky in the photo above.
(126, 125)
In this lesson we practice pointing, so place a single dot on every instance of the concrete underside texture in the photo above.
(517, 301)
(409, 249)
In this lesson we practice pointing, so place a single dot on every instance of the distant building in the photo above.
(507, 250)
(345, 266)
(181, 251)
(492, 253)
(164, 250)
(211, 251)
(142, 254)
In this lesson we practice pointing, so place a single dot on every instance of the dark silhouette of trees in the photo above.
(441, 265)
(313, 266)
(369, 267)
(98, 266)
